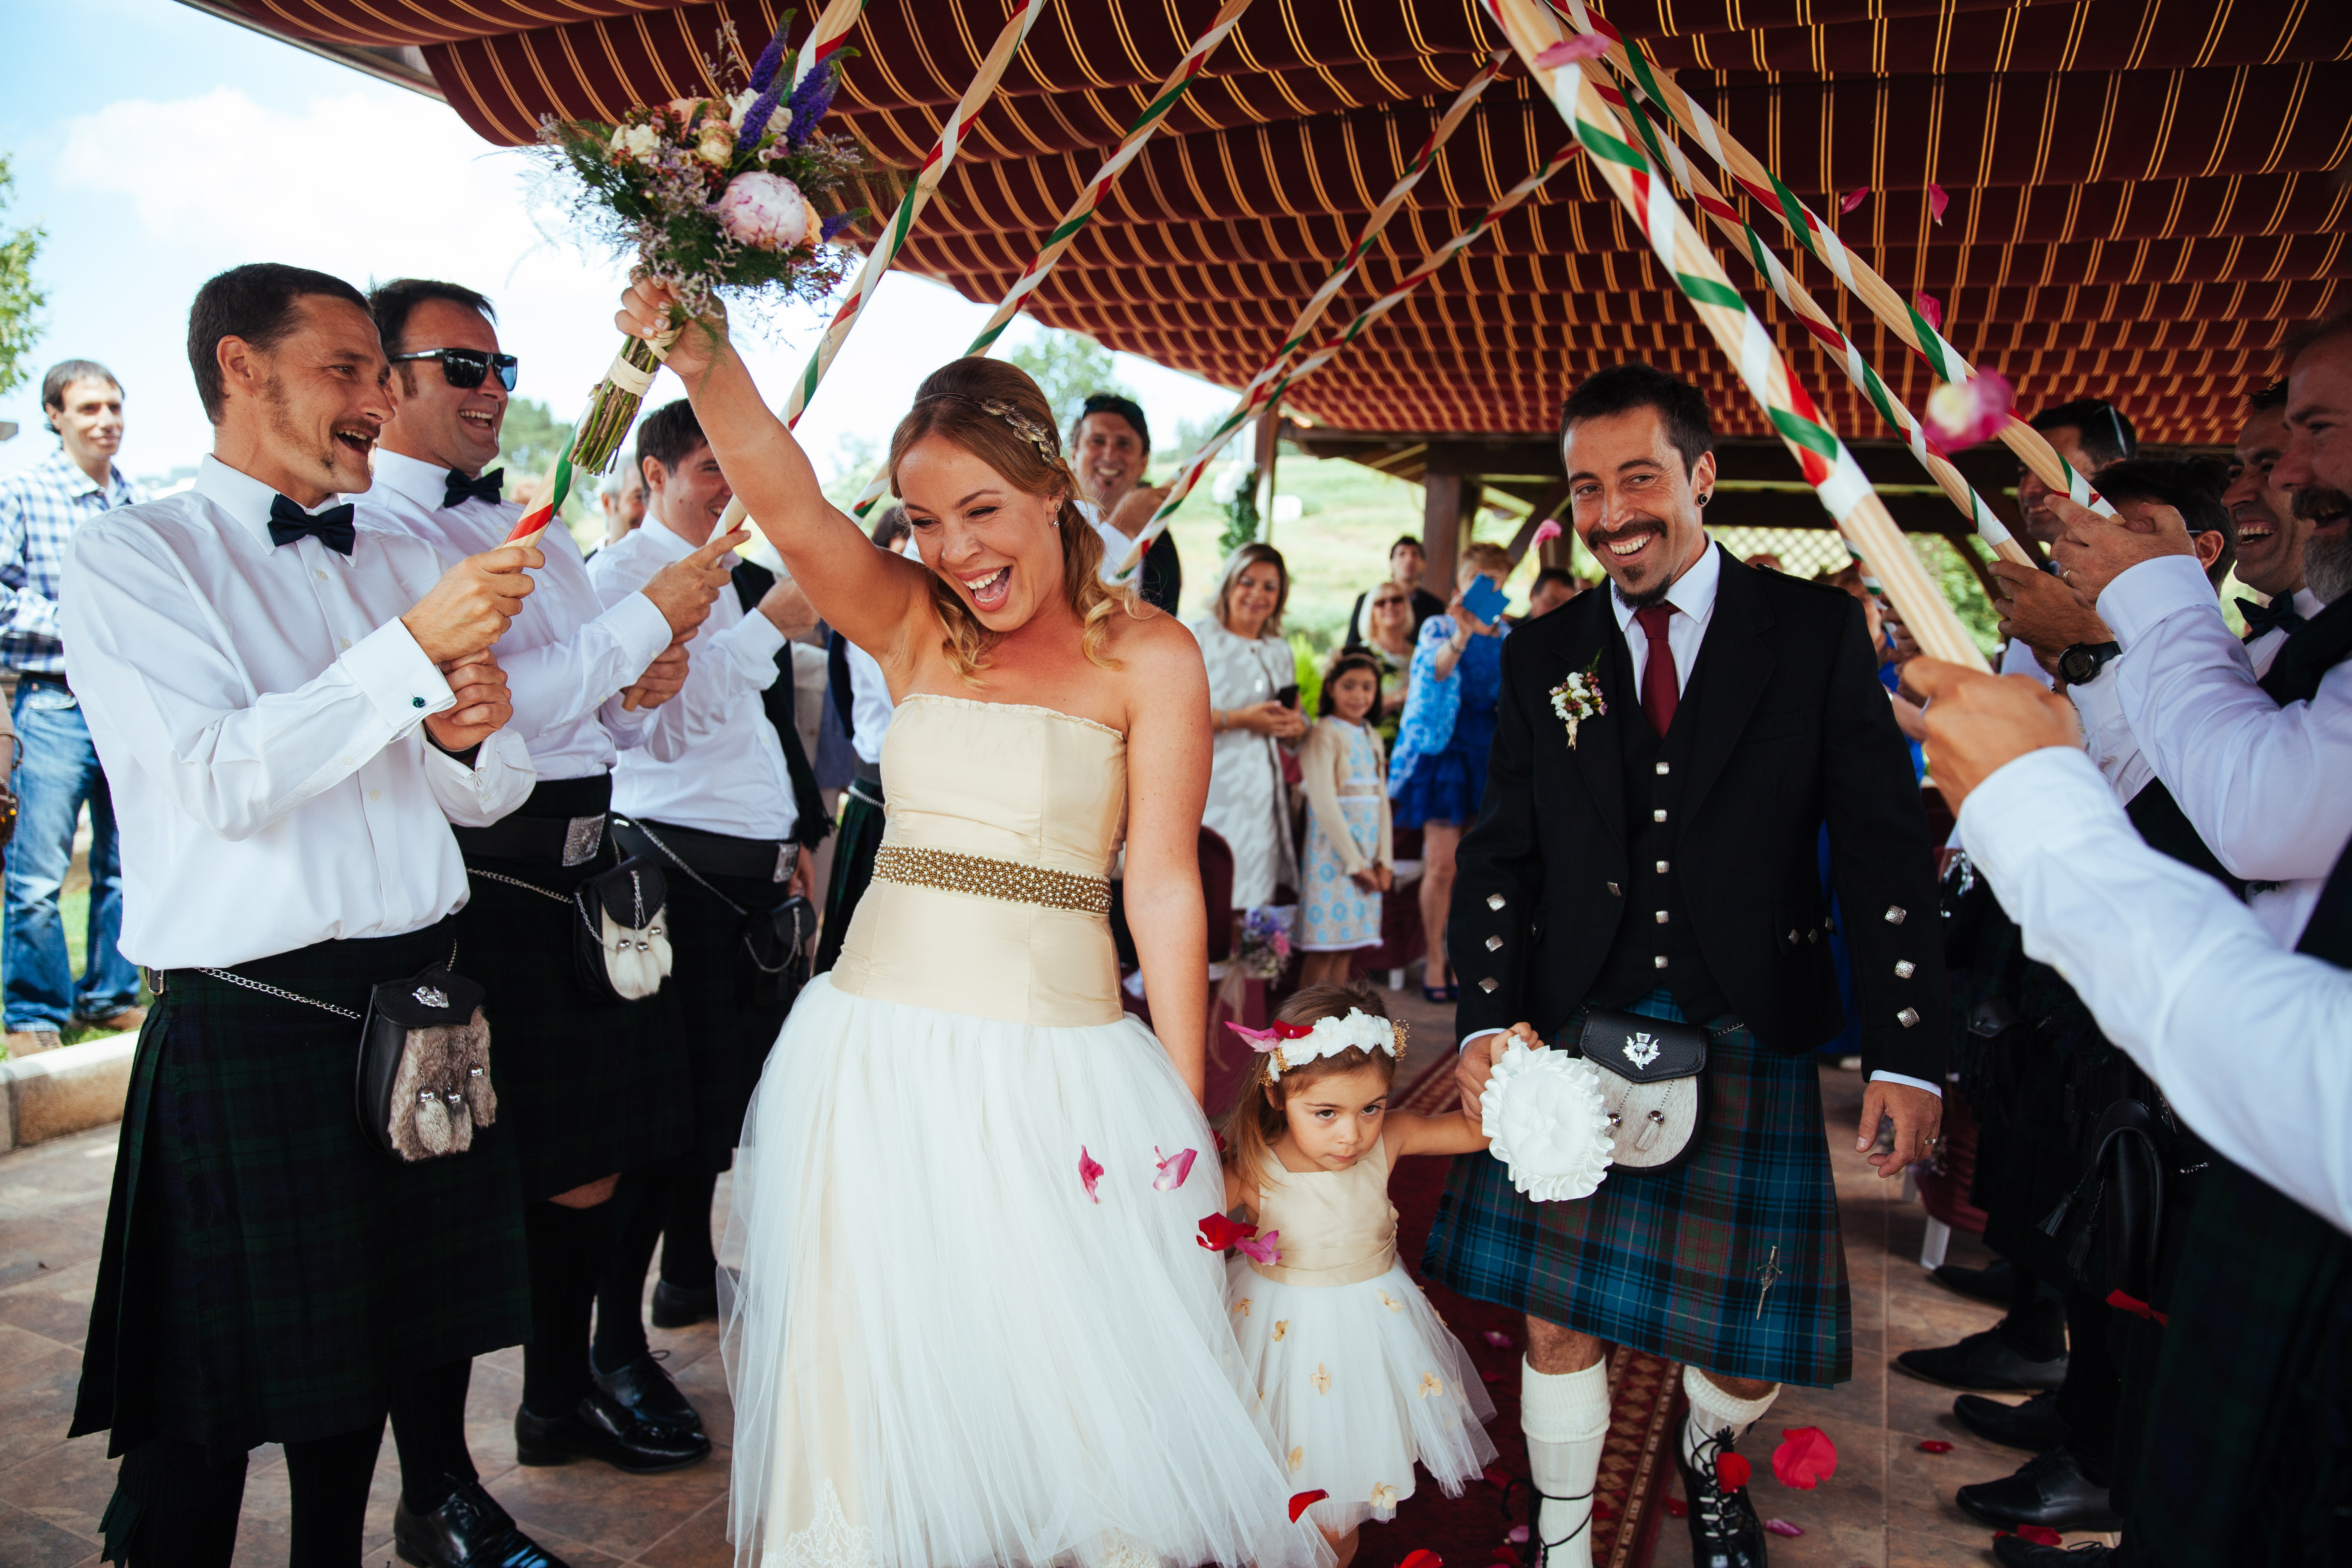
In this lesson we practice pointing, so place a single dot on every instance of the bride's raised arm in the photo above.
(871, 596)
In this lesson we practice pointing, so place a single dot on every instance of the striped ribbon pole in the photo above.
(1815, 320)
(1823, 458)
(1749, 173)
(1189, 474)
(634, 367)
(1312, 312)
(1081, 212)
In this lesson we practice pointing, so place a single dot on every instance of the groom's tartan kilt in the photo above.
(1732, 1262)
(267, 1270)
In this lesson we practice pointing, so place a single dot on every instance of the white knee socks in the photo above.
(1566, 1418)
(1712, 1410)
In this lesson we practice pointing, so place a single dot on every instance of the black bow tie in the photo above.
(289, 523)
(2280, 613)
(490, 488)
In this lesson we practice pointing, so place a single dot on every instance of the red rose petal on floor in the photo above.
(1805, 1458)
(1508, 1554)
(1500, 1341)
(1782, 1527)
(1492, 1376)
(1494, 1477)
(2039, 1534)
(1731, 1472)
(1677, 1508)
(1302, 1501)
(1935, 1446)
(1421, 1558)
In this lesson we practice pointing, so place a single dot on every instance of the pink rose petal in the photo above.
(1088, 1171)
(1978, 410)
(1519, 1535)
(1500, 1339)
(1173, 1169)
(1853, 199)
(1931, 307)
(1546, 532)
(1937, 200)
(1261, 1248)
(1781, 1526)
(1567, 51)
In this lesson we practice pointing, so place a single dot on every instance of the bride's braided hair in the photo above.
(995, 412)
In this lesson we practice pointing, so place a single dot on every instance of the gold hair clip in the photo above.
(1036, 434)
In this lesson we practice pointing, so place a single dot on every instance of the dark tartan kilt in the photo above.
(853, 871)
(727, 1035)
(266, 1269)
(588, 1085)
(2247, 1453)
(1733, 1262)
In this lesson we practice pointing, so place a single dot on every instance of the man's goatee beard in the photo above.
(1646, 597)
(2327, 568)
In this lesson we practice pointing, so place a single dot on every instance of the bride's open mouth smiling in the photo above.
(990, 590)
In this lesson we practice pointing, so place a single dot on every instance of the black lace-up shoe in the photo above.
(644, 1389)
(2033, 1426)
(2051, 1490)
(602, 1428)
(1725, 1530)
(469, 1530)
(1994, 1282)
(1983, 1360)
(2016, 1551)
(676, 1307)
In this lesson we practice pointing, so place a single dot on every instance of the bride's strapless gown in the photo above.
(943, 1350)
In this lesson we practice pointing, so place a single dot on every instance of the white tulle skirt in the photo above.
(1360, 1381)
(942, 1351)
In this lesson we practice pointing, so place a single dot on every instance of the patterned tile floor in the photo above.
(1888, 1505)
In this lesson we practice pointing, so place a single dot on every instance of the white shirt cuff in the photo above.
(1479, 1036)
(393, 672)
(752, 645)
(638, 624)
(2141, 597)
(1935, 1089)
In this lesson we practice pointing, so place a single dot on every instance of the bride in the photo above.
(974, 1325)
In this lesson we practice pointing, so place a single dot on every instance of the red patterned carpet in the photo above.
(1470, 1531)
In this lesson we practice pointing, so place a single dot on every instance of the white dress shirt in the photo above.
(708, 759)
(1693, 595)
(259, 711)
(2251, 776)
(2264, 649)
(2246, 1038)
(869, 705)
(566, 655)
(2017, 659)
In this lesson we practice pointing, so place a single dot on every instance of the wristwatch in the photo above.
(2081, 664)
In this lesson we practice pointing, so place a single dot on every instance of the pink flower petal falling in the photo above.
(1089, 1172)
(1301, 1501)
(1500, 1339)
(1782, 1527)
(1173, 1169)
(1519, 1535)
(1805, 1458)
(1218, 1233)
(1937, 200)
(1546, 532)
(1424, 1558)
(1853, 199)
(1963, 414)
(1929, 306)
(1261, 1248)
(1567, 51)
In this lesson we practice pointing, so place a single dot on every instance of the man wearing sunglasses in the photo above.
(584, 680)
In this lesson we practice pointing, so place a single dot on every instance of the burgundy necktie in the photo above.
(1659, 693)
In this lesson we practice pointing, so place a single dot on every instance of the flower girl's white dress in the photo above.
(945, 1349)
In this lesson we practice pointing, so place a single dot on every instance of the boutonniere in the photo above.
(1579, 698)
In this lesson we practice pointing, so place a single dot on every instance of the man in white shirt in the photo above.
(862, 696)
(569, 1048)
(2244, 1426)
(291, 710)
(706, 794)
(1110, 449)
(2089, 433)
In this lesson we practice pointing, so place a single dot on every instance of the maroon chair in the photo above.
(1217, 893)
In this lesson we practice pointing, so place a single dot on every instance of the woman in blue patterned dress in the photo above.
(1349, 862)
(1438, 774)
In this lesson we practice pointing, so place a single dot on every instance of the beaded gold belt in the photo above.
(1009, 881)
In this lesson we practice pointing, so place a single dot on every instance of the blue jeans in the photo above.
(57, 770)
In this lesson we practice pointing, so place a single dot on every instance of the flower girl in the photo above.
(1359, 1376)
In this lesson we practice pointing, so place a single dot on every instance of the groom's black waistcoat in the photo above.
(1782, 728)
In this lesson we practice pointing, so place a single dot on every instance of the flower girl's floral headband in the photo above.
(1289, 1046)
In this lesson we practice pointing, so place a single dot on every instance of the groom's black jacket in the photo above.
(1788, 728)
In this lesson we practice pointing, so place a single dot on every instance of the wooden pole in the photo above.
(1269, 431)
(1441, 523)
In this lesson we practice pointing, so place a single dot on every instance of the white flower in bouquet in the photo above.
(715, 143)
(739, 106)
(765, 210)
(635, 141)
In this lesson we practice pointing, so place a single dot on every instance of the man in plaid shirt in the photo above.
(56, 767)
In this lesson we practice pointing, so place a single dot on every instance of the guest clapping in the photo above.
(1253, 711)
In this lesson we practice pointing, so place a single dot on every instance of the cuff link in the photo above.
(1895, 914)
(1905, 969)
(1494, 944)
(1490, 985)
(1908, 1016)
(1496, 901)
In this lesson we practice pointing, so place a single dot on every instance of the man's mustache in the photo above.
(2313, 503)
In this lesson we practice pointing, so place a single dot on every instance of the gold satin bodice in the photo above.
(1335, 1227)
(1003, 782)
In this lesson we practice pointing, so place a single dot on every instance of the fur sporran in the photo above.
(1653, 1086)
(424, 1080)
(622, 942)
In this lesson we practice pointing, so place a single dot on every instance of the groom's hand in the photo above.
(1917, 1115)
(1475, 1063)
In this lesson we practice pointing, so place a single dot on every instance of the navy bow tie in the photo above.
(490, 488)
(289, 523)
(2280, 613)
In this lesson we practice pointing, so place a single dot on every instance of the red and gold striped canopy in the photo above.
(2145, 196)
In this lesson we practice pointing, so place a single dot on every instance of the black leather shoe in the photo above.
(2050, 1491)
(645, 1390)
(674, 1306)
(2033, 1426)
(1983, 1360)
(602, 1429)
(1995, 1283)
(2016, 1551)
(468, 1531)
(1725, 1530)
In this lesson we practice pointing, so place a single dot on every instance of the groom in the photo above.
(1662, 861)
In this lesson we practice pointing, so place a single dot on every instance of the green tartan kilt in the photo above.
(267, 1269)
(588, 1085)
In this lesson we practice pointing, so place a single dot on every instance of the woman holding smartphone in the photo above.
(1251, 674)
(1438, 773)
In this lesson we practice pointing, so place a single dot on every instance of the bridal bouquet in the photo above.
(738, 191)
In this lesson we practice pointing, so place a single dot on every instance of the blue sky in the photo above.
(157, 145)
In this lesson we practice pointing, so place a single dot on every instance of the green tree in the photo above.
(529, 443)
(1068, 367)
(20, 300)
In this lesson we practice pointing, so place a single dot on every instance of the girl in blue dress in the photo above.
(1349, 862)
